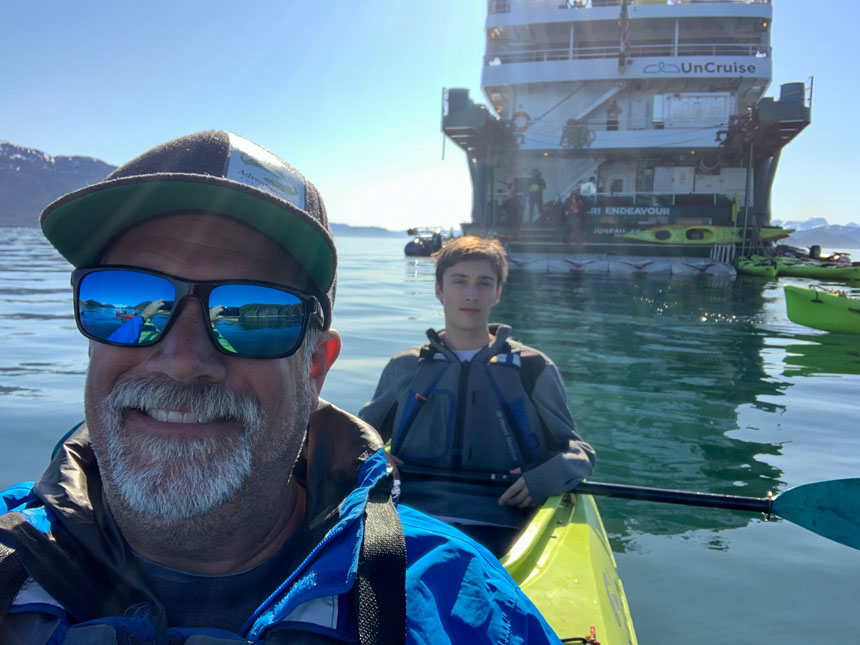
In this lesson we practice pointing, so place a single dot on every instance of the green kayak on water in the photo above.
(820, 309)
(564, 564)
(817, 269)
(758, 265)
(768, 267)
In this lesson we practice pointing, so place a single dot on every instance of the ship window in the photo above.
(617, 185)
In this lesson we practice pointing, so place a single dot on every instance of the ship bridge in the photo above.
(553, 69)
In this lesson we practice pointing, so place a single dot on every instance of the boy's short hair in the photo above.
(472, 247)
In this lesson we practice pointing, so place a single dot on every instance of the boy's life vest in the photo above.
(475, 415)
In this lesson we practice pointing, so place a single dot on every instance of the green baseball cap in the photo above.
(214, 171)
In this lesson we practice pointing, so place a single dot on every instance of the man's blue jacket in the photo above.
(79, 589)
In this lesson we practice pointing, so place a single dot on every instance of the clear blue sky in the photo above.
(350, 92)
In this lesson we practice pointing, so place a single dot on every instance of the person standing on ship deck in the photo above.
(536, 188)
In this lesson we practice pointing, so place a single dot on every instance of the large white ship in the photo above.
(626, 136)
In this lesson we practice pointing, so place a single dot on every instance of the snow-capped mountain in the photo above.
(816, 230)
(31, 179)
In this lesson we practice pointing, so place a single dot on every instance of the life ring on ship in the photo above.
(709, 162)
(521, 121)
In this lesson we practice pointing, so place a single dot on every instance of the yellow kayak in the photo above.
(705, 234)
(564, 564)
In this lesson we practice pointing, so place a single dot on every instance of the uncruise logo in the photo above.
(710, 67)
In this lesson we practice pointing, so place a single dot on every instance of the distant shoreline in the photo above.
(336, 229)
(832, 236)
(364, 231)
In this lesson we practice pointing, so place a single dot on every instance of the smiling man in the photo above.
(212, 496)
(474, 399)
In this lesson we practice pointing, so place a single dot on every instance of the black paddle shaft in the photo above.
(687, 498)
(665, 495)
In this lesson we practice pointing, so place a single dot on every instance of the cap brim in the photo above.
(83, 223)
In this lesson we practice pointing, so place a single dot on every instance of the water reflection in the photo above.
(822, 355)
(655, 371)
(420, 270)
(42, 351)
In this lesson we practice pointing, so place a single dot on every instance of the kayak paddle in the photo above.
(829, 508)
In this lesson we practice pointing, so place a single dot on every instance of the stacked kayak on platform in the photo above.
(564, 564)
(704, 234)
(822, 309)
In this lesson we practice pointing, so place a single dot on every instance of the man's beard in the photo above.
(177, 478)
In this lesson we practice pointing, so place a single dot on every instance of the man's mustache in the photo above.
(207, 401)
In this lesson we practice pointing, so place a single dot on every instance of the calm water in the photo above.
(686, 384)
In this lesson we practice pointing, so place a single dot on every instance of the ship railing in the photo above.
(520, 54)
(581, 133)
(650, 198)
(506, 6)
(724, 253)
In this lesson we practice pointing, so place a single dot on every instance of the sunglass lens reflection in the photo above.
(124, 307)
(254, 320)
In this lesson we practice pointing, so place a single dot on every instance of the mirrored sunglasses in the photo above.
(134, 307)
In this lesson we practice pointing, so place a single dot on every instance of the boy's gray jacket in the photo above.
(504, 409)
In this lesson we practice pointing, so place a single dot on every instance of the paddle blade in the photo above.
(829, 508)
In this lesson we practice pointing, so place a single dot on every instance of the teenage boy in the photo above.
(474, 399)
